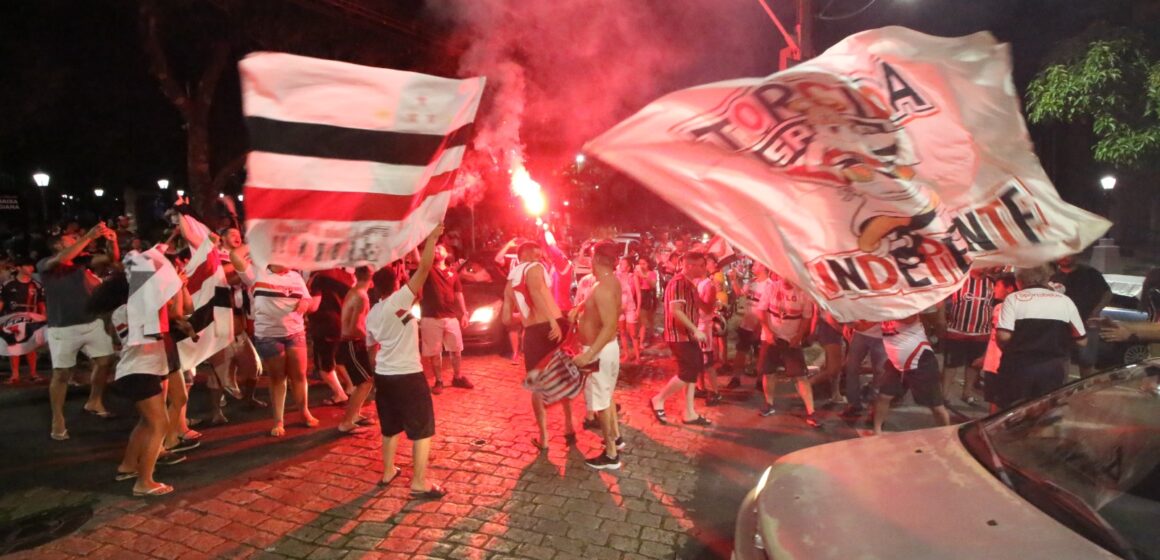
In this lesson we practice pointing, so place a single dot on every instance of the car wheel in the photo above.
(1136, 354)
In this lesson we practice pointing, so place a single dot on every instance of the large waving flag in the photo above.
(152, 283)
(349, 164)
(212, 317)
(871, 176)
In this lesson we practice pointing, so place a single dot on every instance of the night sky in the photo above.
(79, 103)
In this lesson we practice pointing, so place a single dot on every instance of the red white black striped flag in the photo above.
(349, 164)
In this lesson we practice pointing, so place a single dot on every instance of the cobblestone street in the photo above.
(314, 495)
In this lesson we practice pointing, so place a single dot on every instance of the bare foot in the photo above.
(278, 431)
(310, 421)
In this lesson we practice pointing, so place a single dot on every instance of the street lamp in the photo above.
(180, 192)
(163, 183)
(1108, 182)
(241, 198)
(41, 179)
(98, 192)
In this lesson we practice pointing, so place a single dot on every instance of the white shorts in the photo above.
(436, 335)
(598, 389)
(65, 342)
(630, 315)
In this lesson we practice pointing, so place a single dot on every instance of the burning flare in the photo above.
(529, 191)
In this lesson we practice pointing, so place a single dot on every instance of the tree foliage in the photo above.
(1109, 79)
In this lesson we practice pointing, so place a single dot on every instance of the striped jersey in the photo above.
(905, 343)
(275, 303)
(680, 290)
(969, 310)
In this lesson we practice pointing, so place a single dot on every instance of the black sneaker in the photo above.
(437, 388)
(462, 383)
(183, 445)
(734, 383)
(170, 458)
(768, 411)
(603, 462)
(620, 442)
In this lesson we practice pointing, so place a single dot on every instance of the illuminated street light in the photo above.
(241, 198)
(99, 192)
(221, 195)
(41, 179)
(180, 192)
(163, 183)
(1108, 182)
(579, 159)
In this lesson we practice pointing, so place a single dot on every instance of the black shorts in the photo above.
(537, 345)
(1023, 383)
(353, 356)
(690, 360)
(992, 385)
(404, 405)
(825, 333)
(964, 351)
(325, 350)
(139, 386)
(747, 341)
(648, 301)
(924, 381)
(780, 353)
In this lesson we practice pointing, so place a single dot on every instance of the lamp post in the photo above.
(98, 192)
(163, 184)
(41, 179)
(180, 193)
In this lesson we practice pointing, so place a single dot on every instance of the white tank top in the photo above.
(518, 279)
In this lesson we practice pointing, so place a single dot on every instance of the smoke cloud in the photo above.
(562, 71)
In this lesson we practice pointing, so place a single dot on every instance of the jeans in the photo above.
(860, 346)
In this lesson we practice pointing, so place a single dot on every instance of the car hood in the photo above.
(899, 496)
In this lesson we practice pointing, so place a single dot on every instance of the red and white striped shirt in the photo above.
(969, 309)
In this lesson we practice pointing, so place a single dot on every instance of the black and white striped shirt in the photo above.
(969, 312)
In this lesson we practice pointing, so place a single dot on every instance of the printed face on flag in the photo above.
(349, 164)
(872, 176)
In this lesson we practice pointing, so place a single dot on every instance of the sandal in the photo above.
(539, 444)
(659, 414)
(121, 476)
(699, 421)
(157, 491)
(353, 431)
(398, 471)
(59, 437)
(434, 493)
(104, 414)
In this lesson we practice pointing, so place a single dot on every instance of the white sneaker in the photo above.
(840, 399)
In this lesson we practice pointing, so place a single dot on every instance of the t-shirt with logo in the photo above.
(905, 343)
(148, 358)
(437, 298)
(21, 296)
(391, 325)
(753, 291)
(275, 303)
(1043, 324)
(788, 307)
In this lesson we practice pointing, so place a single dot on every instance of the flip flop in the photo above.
(660, 416)
(364, 421)
(59, 437)
(434, 493)
(398, 471)
(699, 421)
(332, 402)
(353, 431)
(124, 476)
(101, 413)
(539, 444)
(158, 491)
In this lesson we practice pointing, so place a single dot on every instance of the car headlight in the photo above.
(483, 314)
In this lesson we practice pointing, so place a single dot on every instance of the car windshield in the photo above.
(1088, 455)
(476, 271)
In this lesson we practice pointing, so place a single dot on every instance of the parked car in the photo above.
(630, 245)
(483, 285)
(1115, 354)
(1071, 475)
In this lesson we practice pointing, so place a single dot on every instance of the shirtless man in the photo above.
(544, 327)
(352, 349)
(597, 330)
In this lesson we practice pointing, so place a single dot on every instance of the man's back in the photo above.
(1042, 323)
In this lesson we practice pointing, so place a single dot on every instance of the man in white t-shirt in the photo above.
(786, 312)
(750, 327)
(910, 364)
(402, 397)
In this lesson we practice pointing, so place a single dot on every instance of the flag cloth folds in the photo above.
(871, 176)
(152, 283)
(349, 164)
(212, 318)
(21, 333)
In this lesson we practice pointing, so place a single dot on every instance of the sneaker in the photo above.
(620, 442)
(462, 383)
(184, 445)
(840, 399)
(812, 421)
(734, 383)
(768, 411)
(170, 458)
(437, 388)
(603, 462)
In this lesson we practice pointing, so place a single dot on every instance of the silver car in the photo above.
(1075, 474)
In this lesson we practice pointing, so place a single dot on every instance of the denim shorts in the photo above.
(272, 347)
